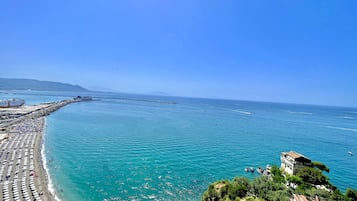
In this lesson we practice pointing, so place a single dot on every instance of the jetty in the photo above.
(11, 116)
(22, 174)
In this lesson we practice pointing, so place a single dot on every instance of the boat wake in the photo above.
(347, 117)
(242, 112)
(341, 128)
(297, 112)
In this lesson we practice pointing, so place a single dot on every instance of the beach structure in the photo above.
(19, 159)
(3, 134)
(15, 102)
(22, 174)
(292, 162)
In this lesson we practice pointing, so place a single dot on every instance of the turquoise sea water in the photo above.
(127, 147)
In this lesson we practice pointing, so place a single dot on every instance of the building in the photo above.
(15, 102)
(292, 161)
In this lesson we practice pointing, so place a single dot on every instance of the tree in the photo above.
(217, 191)
(312, 176)
(266, 189)
(338, 196)
(260, 186)
(294, 179)
(313, 192)
(320, 166)
(239, 188)
(211, 194)
(273, 189)
(277, 174)
(351, 194)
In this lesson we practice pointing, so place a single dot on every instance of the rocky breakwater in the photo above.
(11, 116)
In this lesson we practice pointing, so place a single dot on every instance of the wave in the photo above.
(347, 117)
(297, 112)
(242, 112)
(50, 186)
(341, 128)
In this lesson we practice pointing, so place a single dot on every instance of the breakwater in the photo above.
(11, 116)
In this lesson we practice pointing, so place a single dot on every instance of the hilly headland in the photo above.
(31, 84)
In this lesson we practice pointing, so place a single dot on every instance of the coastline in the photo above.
(44, 180)
(45, 175)
(23, 172)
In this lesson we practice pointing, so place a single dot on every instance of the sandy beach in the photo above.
(23, 176)
(22, 172)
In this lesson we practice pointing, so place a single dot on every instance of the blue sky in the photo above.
(280, 51)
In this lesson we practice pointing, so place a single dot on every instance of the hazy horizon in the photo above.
(291, 52)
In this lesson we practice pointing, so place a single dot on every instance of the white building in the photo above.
(292, 161)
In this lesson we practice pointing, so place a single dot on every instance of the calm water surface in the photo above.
(127, 147)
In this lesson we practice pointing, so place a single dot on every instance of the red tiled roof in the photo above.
(295, 155)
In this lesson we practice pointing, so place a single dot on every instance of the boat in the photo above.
(15, 102)
(350, 153)
(260, 170)
(249, 169)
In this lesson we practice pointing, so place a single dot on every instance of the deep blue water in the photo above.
(129, 147)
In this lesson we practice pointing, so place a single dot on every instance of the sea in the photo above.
(141, 147)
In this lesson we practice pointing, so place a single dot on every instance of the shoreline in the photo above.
(44, 178)
(45, 174)
(24, 174)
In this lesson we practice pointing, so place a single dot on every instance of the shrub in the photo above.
(312, 176)
(320, 166)
(216, 191)
(239, 188)
(351, 194)
(294, 179)
(277, 174)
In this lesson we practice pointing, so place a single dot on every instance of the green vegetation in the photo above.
(312, 176)
(265, 188)
(320, 166)
(309, 181)
(351, 194)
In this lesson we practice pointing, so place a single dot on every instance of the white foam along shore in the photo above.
(50, 185)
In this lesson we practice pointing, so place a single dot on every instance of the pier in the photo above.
(22, 174)
(11, 116)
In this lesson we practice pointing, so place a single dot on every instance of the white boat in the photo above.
(249, 169)
(350, 153)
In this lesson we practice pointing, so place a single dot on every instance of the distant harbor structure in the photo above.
(15, 102)
(292, 162)
(14, 113)
(83, 98)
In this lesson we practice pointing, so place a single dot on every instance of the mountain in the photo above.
(25, 84)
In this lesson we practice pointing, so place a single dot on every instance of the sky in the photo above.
(291, 51)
